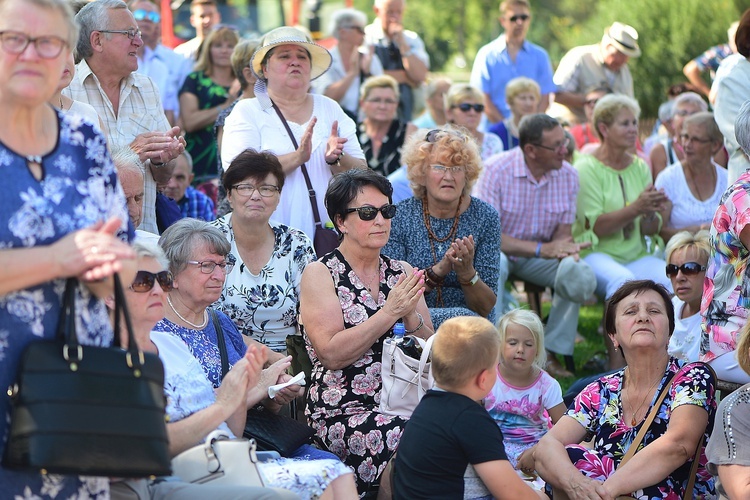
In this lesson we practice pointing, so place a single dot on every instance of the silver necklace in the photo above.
(197, 327)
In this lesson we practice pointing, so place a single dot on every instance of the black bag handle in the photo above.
(221, 342)
(303, 167)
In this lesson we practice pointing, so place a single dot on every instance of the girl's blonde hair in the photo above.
(530, 321)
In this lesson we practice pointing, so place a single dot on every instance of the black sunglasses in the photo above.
(521, 17)
(688, 269)
(369, 213)
(144, 281)
(465, 107)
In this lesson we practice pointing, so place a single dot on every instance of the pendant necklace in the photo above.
(197, 327)
(633, 421)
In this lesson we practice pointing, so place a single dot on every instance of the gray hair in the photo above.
(125, 159)
(705, 119)
(742, 127)
(94, 17)
(149, 248)
(181, 238)
(188, 159)
(689, 97)
(532, 127)
(64, 8)
(344, 18)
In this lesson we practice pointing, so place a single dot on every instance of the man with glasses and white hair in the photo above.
(602, 64)
(127, 102)
(534, 190)
(508, 57)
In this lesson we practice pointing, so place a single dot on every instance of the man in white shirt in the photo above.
(128, 103)
(204, 15)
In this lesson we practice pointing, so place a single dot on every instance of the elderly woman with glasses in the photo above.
(444, 230)
(464, 108)
(350, 301)
(669, 151)
(352, 61)
(381, 133)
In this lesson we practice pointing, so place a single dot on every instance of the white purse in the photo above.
(220, 460)
(405, 379)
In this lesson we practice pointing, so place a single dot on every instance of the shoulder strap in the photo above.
(222, 343)
(647, 423)
(303, 167)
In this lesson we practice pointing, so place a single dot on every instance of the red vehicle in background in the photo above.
(252, 18)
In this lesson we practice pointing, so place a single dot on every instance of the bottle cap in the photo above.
(399, 329)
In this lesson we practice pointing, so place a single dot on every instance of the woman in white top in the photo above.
(694, 185)
(687, 256)
(352, 62)
(68, 105)
(285, 64)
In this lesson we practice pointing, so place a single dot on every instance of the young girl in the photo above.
(525, 400)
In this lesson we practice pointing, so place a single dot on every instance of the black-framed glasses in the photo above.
(369, 213)
(47, 47)
(144, 281)
(688, 269)
(208, 266)
(143, 14)
(130, 33)
(684, 138)
(558, 147)
(442, 169)
(266, 190)
(519, 17)
(465, 107)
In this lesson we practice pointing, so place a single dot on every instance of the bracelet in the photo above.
(433, 277)
(337, 160)
(419, 326)
(538, 249)
(430, 283)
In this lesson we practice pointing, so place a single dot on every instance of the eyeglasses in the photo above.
(559, 147)
(266, 190)
(142, 14)
(369, 213)
(131, 33)
(687, 138)
(47, 47)
(358, 29)
(378, 100)
(442, 169)
(208, 266)
(688, 269)
(683, 112)
(519, 17)
(465, 107)
(144, 281)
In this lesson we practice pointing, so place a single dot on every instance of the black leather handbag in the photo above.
(82, 409)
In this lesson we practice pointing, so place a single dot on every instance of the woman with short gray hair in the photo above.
(352, 61)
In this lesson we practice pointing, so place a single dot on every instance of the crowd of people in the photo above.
(254, 194)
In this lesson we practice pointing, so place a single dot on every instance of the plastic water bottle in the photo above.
(398, 334)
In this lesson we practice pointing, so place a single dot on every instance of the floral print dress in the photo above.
(343, 405)
(598, 408)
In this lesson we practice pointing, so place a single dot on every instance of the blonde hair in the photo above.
(241, 57)
(686, 239)
(378, 82)
(530, 321)
(609, 106)
(521, 85)
(462, 92)
(462, 148)
(743, 348)
(463, 348)
(222, 34)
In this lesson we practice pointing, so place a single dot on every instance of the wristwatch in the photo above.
(472, 281)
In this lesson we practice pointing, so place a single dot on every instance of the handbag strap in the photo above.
(303, 167)
(423, 359)
(222, 343)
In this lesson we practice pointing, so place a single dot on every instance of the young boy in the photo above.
(449, 429)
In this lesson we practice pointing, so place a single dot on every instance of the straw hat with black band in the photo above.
(624, 38)
(320, 58)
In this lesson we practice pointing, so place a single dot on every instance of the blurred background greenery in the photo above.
(672, 32)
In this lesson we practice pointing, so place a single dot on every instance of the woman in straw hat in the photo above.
(324, 138)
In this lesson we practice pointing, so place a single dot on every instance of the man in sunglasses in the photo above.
(127, 102)
(604, 64)
(160, 63)
(510, 56)
(535, 191)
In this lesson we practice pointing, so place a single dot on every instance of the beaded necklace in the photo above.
(434, 238)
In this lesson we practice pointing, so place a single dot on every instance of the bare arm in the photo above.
(503, 482)
(194, 118)
(543, 104)
(736, 480)
(694, 76)
(320, 311)
(658, 157)
(661, 457)
(573, 100)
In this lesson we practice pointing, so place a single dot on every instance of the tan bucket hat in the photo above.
(320, 57)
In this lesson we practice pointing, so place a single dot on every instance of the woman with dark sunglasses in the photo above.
(350, 300)
(442, 229)
(464, 107)
(687, 256)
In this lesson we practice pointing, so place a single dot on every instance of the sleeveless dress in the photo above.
(343, 405)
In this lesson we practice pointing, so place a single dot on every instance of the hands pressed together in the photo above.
(245, 373)
(404, 297)
(159, 147)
